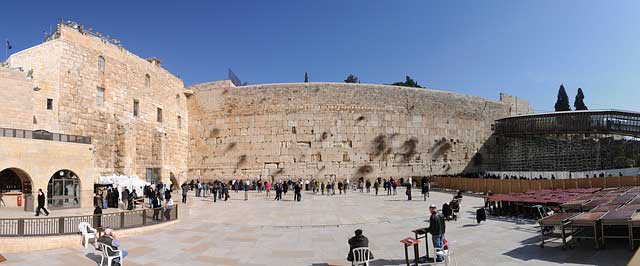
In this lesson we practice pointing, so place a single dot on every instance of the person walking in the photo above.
(245, 187)
(214, 191)
(297, 192)
(425, 189)
(394, 185)
(156, 206)
(105, 196)
(125, 198)
(41, 201)
(185, 190)
(167, 209)
(278, 191)
(437, 228)
(2, 204)
(267, 187)
(225, 190)
(368, 185)
(340, 187)
(322, 187)
(376, 186)
(408, 192)
(388, 185)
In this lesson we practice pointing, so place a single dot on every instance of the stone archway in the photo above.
(15, 182)
(15, 179)
(63, 190)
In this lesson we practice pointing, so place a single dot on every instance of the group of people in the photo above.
(217, 189)
(107, 198)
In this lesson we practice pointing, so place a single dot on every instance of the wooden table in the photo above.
(560, 220)
(409, 241)
(582, 223)
(422, 233)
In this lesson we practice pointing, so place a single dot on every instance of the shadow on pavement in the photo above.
(616, 253)
(376, 262)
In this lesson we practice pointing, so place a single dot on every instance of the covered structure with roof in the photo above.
(576, 141)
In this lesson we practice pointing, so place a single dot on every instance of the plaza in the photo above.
(314, 232)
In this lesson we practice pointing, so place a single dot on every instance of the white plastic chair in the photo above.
(361, 256)
(88, 233)
(105, 254)
(447, 254)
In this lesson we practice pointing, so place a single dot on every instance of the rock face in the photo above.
(325, 130)
(92, 85)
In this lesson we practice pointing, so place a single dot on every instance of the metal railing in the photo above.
(68, 225)
(43, 135)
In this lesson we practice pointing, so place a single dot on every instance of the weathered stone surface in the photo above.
(66, 69)
(314, 130)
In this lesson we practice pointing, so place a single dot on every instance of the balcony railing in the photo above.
(43, 135)
(68, 225)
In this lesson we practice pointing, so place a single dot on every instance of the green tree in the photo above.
(352, 79)
(579, 102)
(562, 104)
(408, 83)
(306, 77)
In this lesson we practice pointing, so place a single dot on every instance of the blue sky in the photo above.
(524, 48)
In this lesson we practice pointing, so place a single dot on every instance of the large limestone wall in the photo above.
(66, 70)
(334, 129)
(16, 92)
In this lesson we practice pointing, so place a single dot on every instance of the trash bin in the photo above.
(28, 202)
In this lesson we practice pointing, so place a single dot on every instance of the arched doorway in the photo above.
(63, 190)
(15, 180)
(14, 183)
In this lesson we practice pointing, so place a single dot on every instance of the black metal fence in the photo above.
(68, 225)
(43, 135)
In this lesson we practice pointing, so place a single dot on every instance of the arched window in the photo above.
(101, 64)
(147, 81)
(64, 190)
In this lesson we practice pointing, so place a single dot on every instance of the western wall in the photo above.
(141, 120)
(341, 130)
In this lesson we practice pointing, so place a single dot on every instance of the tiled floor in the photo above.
(314, 232)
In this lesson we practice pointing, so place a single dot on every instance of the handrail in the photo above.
(43, 135)
(68, 225)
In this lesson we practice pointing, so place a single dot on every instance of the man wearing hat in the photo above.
(109, 239)
(358, 241)
(436, 229)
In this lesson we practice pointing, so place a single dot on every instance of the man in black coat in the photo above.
(41, 200)
(437, 229)
(358, 241)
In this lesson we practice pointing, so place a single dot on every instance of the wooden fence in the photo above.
(503, 186)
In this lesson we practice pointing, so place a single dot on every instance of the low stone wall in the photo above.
(29, 244)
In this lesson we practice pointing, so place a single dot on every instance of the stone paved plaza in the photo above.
(314, 232)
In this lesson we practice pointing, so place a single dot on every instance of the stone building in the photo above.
(79, 83)
(79, 106)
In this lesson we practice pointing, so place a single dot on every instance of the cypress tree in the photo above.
(562, 104)
(579, 102)
(306, 77)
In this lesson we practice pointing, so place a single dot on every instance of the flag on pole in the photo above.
(9, 45)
